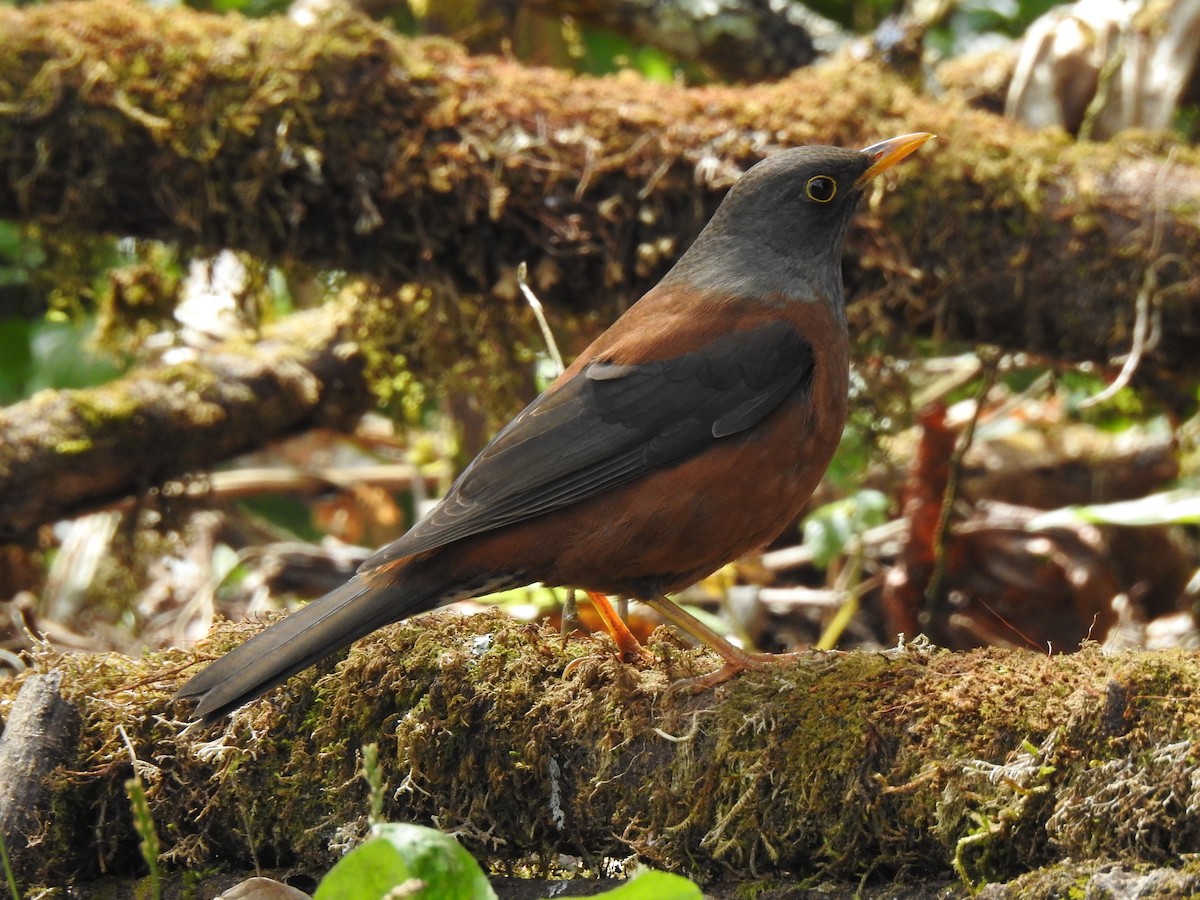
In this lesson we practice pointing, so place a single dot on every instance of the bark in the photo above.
(748, 40)
(987, 763)
(345, 146)
(40, 735)
(68, 451)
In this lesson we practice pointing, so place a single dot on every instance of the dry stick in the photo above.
(143, 821)
(41, 733)
(570, 611)
(540, 314)
(852, 587)
(1036, 387)
(1148, 298)
(1108, 72)
(991, 367)
(803, 554)
(251, 482)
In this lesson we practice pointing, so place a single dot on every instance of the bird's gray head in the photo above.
(779, 230)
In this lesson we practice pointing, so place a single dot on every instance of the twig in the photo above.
(238, 483)
(540, 315)
(1147, 300)
(851, 587)
(991, 367)
(143, 820)
(803, 554)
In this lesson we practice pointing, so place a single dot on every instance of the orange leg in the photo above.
(631, 650)
(736, 659)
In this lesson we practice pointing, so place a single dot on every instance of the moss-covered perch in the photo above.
(344, 145)
(527, 745)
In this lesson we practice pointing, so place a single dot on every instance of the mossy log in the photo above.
(528, 745)
(40, 732)
(344, 145)
(746, 41)
(64, 452)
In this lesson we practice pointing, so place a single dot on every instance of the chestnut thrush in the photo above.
(690, 432)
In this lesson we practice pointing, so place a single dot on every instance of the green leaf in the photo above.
(1181, 507)
(648, 885)
(425, 863)
(828, 528)
(61, 358)
(16, 360)
(654, 65)
(20, 254)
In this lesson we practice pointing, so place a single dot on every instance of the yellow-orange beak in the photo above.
(886, 154)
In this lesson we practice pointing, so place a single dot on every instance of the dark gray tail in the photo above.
(305, 637)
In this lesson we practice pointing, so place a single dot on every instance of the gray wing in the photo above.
(611, 424)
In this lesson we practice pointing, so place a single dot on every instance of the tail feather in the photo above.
(308, 635)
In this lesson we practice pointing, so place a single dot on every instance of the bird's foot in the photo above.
(736, 659)
(628, 646)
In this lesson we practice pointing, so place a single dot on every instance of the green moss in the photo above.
(73, 447)
(840, 767)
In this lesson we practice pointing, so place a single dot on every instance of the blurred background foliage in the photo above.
(56, 289)
(77, 310)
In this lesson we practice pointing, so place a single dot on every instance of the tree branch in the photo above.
(989, 762)
(745, 41)
(346, 146)
(66, 451)
(41, 733)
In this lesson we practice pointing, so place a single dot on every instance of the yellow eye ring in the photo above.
(821, 189)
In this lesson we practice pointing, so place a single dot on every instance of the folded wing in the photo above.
(611, 424)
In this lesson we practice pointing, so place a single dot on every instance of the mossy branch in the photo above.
(346, 146)
(746, 41)
(528, 745)
(66, 451)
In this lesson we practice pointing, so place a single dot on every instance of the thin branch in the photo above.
(1147, 296)
(69, 451)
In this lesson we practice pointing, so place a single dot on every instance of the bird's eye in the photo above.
(821, 188)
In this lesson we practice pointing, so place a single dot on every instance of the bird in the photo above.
(690, 432)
